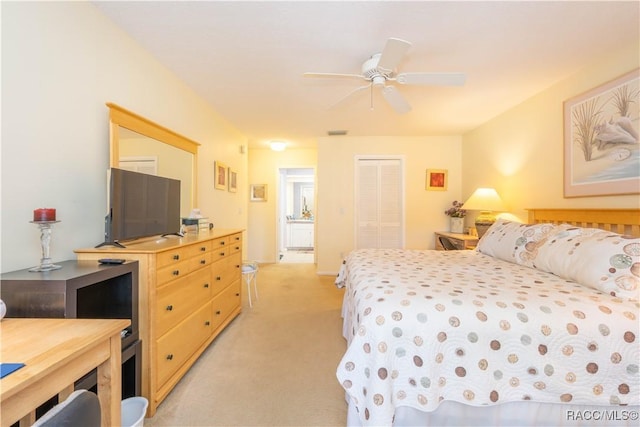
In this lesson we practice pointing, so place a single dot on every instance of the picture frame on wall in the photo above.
(233, 181)
(220, 178)
(601, 128)
(258, 193)
(436, 180)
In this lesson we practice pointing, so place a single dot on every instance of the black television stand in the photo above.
(115, 243)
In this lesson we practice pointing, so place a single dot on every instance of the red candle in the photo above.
(44, 214)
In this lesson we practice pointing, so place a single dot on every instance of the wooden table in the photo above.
(57, 352)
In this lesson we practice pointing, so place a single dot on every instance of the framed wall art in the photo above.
(233, 181)
(601, 150)
(258, 193)
(220, 176)
(436, 179)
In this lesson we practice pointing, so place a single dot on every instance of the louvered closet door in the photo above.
(379, 203)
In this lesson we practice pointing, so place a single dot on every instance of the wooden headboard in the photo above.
(622, 221)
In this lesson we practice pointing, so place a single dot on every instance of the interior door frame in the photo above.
(281, 206)
(357, 159)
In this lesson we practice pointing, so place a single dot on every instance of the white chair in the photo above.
(249, 274)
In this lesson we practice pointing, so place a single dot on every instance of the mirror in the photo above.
(141, 145)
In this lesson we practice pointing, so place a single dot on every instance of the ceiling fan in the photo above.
(380, 72)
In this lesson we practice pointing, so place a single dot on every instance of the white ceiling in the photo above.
(247, 58)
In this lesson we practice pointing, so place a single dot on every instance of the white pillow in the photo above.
(515, 242)
(600, 259)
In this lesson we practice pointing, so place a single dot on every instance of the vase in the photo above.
(457, 225)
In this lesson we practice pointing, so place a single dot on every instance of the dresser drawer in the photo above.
(225, 271)
(225, 303)
(173, 272)
(180, 298)
(235, 243)
(176, 346)
(200, 260)
(198, 249)
(172, 257)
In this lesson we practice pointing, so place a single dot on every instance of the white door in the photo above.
(379, 198)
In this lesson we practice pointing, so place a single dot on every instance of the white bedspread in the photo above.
(427, 326)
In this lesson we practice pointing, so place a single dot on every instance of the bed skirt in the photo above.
(511, 414)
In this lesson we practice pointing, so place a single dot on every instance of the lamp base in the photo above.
(483, 222)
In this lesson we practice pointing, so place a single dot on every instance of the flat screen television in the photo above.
(141, 205)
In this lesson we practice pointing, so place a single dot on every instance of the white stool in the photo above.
(249, 273)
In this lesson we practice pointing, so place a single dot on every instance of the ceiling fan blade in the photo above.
(332, 75)
(434, 79)
(396, 100)
(393, 52)
(356, 90)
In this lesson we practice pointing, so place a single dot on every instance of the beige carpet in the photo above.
(274, 365)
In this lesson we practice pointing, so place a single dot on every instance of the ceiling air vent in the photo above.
(336, 132)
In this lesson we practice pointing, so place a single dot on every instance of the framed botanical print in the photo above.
(233, 181)
(601, 128)
(436, 180)
(220, 176)
(258, 193)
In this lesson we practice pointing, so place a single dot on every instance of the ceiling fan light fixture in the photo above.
(278, 145)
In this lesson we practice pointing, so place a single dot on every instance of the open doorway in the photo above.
(296, 215)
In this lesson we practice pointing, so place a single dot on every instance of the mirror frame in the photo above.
(121, 117)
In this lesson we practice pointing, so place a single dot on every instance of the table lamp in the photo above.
(487, 201)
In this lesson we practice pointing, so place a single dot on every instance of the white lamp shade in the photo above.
(484, 199)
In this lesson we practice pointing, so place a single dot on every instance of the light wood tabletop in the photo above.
(57, 352)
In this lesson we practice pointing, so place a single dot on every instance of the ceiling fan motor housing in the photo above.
(371, 72)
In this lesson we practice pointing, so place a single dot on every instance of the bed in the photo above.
(537, 326)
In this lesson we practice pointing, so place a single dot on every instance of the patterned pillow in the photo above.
(515, 242)
(600, 259)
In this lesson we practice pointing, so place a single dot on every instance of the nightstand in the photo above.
(461, 241)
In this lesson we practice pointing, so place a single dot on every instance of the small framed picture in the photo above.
(233, 181)
(220, 176)
(436, 180)
(258, 193)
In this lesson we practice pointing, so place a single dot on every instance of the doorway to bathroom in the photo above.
(296, 215)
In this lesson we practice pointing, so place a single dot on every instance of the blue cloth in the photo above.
(7, 368)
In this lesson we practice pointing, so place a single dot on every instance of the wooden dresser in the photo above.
(189, 291)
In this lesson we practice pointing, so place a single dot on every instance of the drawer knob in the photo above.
(238, 238)
(169, 356)
(206, 285)
(222, 243)
(237, 248)
(237, 294)
(218, 278)
(207, 323)
(203, 248)
(176, 257)
(218, 312)
(203, 261)
(221, 253)
(176, 272)
(169, 307)
(237, 265)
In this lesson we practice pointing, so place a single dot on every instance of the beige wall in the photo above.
(263, 169)
(61, 62)
(424, 210)
(520, 152)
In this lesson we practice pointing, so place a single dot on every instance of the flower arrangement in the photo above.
(456, 211)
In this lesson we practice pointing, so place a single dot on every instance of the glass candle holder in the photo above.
(45, 241)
